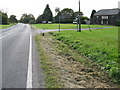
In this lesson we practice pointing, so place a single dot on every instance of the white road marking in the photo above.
(5, 35)
(8, 32)
(29, 73)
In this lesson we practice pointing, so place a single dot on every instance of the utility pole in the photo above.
(59, 22)
(79, 18)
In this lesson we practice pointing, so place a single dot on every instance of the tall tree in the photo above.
(47, 14)
(3, 18)
(13, 19)
(91, 17)
(39, 19)
(93, 12)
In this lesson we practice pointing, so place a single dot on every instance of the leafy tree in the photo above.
(31, 19)
(3, 18)
(77, 14)
(47, 14)
(13, 19)
(22, 19)
(83, 18)
(66, 15)
(27, 18)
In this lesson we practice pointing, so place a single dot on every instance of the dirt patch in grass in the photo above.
(72, 70)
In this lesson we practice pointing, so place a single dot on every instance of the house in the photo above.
(106, 17)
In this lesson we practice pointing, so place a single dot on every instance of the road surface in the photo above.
(20, 62)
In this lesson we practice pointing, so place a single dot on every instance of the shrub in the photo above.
(118, 23)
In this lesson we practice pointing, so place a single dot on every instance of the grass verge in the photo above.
(65, 68)
(6, 26)
(101, 46)
(51, 75)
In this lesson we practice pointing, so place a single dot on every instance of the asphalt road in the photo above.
(20, 63)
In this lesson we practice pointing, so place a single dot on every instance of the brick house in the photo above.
(106, 17)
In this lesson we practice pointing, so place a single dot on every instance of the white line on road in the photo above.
(5, 35)
(29, 73)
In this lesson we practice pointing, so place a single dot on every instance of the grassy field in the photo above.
(65, 26)
(101, 46)
(6, 26)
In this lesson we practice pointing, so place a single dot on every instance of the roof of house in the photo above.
(108, 12)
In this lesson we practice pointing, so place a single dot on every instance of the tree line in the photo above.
(67, 15)
(5, 20)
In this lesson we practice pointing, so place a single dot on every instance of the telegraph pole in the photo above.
(59, 23)
(79, 18)
(59, 18)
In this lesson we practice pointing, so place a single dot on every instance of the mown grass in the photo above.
(101, 46)
(6, 26)
(51, 75)
(66, 26)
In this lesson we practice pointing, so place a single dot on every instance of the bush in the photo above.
(66, 21)
(118, 23)
(114, 72)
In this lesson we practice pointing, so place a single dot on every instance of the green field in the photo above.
(100, 46)
(66, 26)
(6, 26)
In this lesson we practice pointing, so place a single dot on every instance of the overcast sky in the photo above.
(36, 7)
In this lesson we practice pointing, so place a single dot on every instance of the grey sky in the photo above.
(36, 7)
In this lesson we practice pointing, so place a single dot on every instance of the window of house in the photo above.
(104, 17)
(112, 16)
(97, 16)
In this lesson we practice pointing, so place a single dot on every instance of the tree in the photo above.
(57, 10)
(31, 19)
(13, 19)
(93, 12)
(91, 17)
(83, 18)
(39, 19)
(3, 18)
(47, 14)
(23, 18)
(56, 18)
(27, 18)
(77, 13)
(66, 15)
